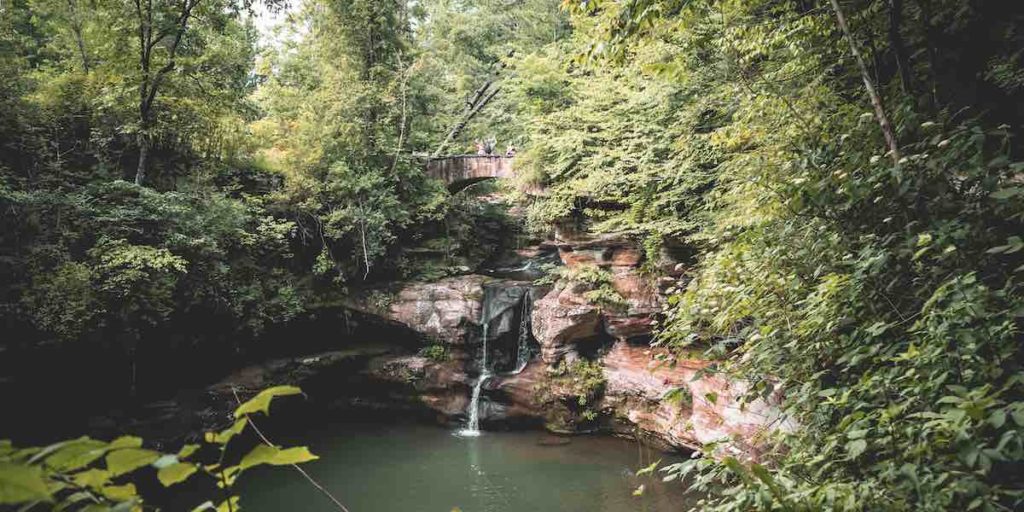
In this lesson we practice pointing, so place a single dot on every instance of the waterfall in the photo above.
(523, 348)
(497, 298)
(473, 425)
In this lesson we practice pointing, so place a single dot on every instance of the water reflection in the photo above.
(420, 468)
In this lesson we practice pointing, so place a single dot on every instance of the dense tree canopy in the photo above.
(840, 177)
(874, 288)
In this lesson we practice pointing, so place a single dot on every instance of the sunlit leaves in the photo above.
(261, 402)
(880, 299)
(76, 454)
(20, 484)
(105, 474)
(127, 460)
(227, 434)
(648, 469)
(175, 473)
(273, 456)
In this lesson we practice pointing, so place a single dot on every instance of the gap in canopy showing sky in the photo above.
(270, 24)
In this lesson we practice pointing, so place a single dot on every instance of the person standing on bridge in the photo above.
(480, 149)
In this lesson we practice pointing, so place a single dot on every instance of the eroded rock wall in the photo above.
(593, 368)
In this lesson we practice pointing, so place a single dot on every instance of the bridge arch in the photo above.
(461, 171)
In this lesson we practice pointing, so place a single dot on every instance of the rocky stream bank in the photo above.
(554, 357)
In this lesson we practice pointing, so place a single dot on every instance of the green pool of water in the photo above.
(415, 468)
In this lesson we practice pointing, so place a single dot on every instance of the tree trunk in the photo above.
(898, 46)
(140, 171)
(478, 101)
(150, 83)
(876, 100)
(931, 42)
(132, 386)
(76, 27)
(473, 111)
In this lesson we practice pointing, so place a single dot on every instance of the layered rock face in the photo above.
(451, 313)
(647, 393)
(449, 310)
(663, 400)
(621, 258)
(560, 320)
(592, 366)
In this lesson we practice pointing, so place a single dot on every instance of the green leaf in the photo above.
(649, 469)
(856, 447)
(970, 455)
(20, 484)
(125, 461)
(261, 402)
(1015, 244)
(175, 473)
(1018, 417)
(76, 454)
(1007, 193)
(274, 456)
(92, 478)
(120, 492)
(639, 491)
(164, 461)
(225, 435)
(998, 418)
(126, 442)
(765, 477)
(225, 507)
(187, 451)
(857, 434)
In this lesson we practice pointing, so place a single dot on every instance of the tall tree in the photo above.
(161, 27)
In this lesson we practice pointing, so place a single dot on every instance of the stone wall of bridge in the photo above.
(462, 170)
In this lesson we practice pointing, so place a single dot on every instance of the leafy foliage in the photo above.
(436, 352)
(878, 297)
(583, 381)
(594, 282)
(86, 474)
(613, 147)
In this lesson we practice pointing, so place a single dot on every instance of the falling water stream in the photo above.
(473, 425)
(523, 348)
(487, 315)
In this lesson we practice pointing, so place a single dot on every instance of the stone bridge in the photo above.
(461, 171)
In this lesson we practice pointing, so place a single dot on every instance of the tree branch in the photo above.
(182, 26)
(76, 27)
(477, 102)
(301, 471)
(401, 127)
(876, 100)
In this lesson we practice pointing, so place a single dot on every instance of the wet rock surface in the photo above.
(634, 390)
(449, 310)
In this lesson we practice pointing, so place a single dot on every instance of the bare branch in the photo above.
(876, 100)
(474, 105)
(301, 471)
